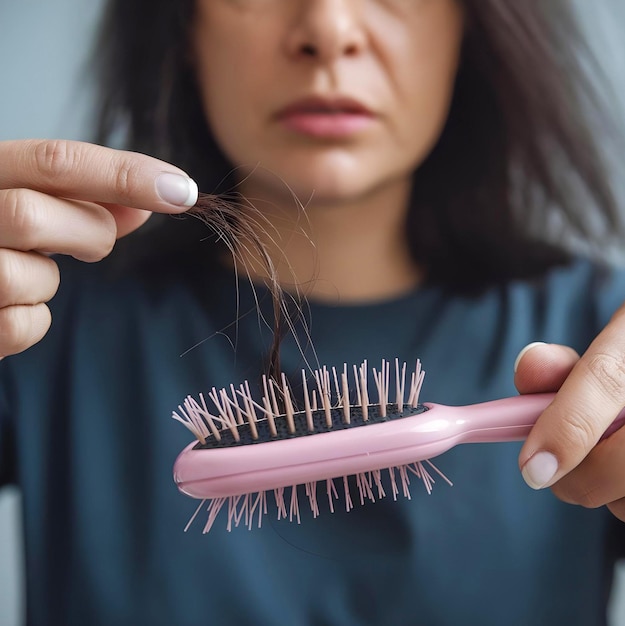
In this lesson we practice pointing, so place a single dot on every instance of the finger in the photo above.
(587, 403)
(600, 478)
(542, 367)
(26, 278)
(22, 326)
(30, 220)
(84, 171)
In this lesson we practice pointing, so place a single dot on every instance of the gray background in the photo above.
(44, 92)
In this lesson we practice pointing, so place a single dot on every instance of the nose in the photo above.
(325, 30)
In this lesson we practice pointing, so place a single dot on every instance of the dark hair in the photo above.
(516, 173)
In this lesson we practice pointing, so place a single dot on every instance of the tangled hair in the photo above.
(517, 171)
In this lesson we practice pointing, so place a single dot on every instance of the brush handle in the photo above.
(225, 472)
(509, 419)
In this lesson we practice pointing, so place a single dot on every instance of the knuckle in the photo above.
(580, 494)
(577, 433)
(590, 499)
(22, 216)
(608, 371)
(127, 178)
(55, 158)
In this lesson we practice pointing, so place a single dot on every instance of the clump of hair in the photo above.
(240, 227)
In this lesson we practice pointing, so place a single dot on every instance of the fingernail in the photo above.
(177, 190)
(525, 350)
(540, 470)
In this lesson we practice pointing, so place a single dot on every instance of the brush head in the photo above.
(301, 422)
(248, 446)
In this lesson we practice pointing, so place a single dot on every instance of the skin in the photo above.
(399, 57)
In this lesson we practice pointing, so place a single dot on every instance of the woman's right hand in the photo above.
(73, 198)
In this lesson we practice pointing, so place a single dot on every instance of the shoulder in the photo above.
(569, 304)
(586, 287)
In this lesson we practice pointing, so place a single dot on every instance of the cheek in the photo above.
(216, 67)
(428, 101)
(423, 72)
(229, 70)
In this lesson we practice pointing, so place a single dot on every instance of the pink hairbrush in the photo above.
(245, 449)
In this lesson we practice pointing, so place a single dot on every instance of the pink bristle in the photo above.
(400, 382)
(237, 408)
(323, 385)
(307, 407)
(294, 508)
(394, 489)
(439, 472)
(363, 482)
(377, 477)
(214, 508)
(288, 405)
(202, 502)
(422, 474)
(280, 503)
(233, 502)
(268, 409)
(311, 492)
(349, 505)
(345, 396)
(331, 491)
(364, 401)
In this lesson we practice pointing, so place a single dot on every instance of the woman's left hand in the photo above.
(563, 450)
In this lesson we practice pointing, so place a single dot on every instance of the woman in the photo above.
(413, 133)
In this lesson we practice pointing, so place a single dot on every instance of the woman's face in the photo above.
(335, 98)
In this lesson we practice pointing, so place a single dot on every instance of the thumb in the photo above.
(588, 401)
(542, 367)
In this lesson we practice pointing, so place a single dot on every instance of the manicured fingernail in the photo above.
(525, 350)
(177, 190)
(540, 469)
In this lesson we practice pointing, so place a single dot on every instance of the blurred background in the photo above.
(46, 91)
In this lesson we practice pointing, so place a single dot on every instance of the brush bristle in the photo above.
(249, 509)
(238, 419)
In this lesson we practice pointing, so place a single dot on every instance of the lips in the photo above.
(326, 117)
(327, 106)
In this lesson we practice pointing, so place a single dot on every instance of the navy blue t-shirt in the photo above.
(86, 434)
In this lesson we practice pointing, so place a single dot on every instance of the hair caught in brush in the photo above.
(240, 226)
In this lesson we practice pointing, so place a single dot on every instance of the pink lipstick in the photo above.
(326, 117)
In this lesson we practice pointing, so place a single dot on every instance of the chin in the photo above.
(320, 183)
